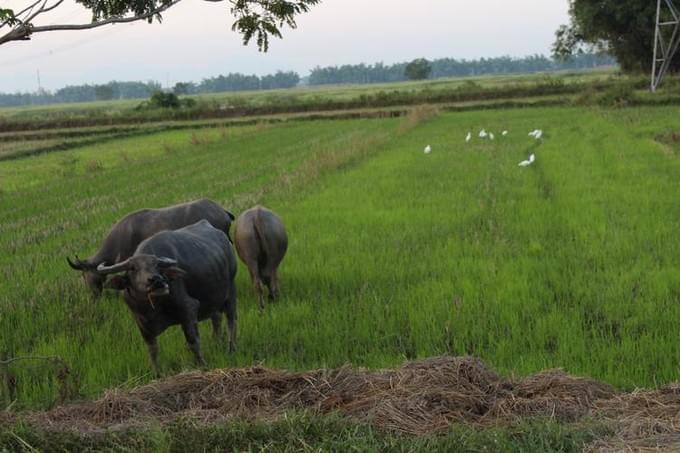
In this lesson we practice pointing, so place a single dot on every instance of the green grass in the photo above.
(304, 432)
(393, 254)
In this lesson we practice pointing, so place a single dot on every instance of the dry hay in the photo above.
(552, 392)
(421, 397)
(644, 420)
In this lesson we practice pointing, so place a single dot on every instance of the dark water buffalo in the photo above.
(127, 233)
(179, 277)
(261, 243)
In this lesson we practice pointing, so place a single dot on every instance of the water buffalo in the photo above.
(261, 242)
(179, 277)
(127, 233)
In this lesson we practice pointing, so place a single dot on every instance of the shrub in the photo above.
(163, 100)
(160, 99)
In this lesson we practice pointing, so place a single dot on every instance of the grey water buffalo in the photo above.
(127, 233)
(261, 243)
(179, 277)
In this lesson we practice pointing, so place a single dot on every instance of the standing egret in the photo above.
(504, 133)
(482, 134)
(526, 163)
(491, 135)
(468, 137)
(428, 149)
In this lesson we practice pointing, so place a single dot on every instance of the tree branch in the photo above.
(24, 30)
(43, 9)
(27, 8)
(53, 6)
(257, 19)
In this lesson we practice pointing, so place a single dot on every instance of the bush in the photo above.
(163, 100)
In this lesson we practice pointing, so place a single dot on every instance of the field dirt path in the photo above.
(419, 398)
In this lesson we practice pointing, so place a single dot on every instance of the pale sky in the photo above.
(195, 40)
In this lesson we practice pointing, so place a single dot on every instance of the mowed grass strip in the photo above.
(393, 254)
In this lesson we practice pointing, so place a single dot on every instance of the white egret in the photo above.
(504, 133)
(468, 137)
(482, 134)
(526, 163)
(491, 135)
(536, 133)
(428, 149)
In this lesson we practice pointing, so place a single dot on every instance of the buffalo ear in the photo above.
(117, 282)
(231, 216)
(173, 272)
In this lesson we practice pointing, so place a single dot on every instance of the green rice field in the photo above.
(571, 262)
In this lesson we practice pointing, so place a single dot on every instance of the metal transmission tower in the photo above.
(666, 40)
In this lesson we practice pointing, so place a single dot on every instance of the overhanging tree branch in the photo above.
(24, 29)
(254, 18)
(28, 8)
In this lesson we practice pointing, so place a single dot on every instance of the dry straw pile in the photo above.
(421, 397)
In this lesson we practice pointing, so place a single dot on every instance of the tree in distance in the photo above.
(182, 88)
(418, 69)
(103, 92)
(257, 19)
(621, 28)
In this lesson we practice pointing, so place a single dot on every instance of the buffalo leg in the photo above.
(231, 318)
(274, 290)
(259, 287)
(257, 281)
(152, 346)
(190, 329)
(267, 279)
(216, 319)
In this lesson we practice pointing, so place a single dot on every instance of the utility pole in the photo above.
(39, 87)
(666, 39)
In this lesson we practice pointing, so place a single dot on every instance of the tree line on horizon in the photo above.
(450, 67)
(345, 74)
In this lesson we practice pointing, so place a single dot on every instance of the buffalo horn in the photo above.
(79, 264)
(166, 262)
(119, 267)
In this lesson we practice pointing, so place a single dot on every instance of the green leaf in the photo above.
(7, 17)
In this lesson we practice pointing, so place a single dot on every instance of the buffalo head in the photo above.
(145, 275)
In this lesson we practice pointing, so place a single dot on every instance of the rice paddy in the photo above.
(394, 254)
